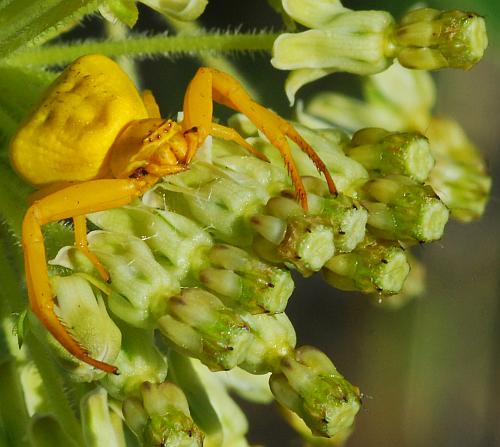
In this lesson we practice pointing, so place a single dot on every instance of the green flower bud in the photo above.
(167, 234)
(353, 41)
(413, 287)
(274, 338)
(405, 210)
(429, 39)
(126, 10)
(460, 177)
(373, 267)
(211, 197)
(329, 144)
(84, 313)
(242, 124)
(265, 179)
(350, 113)
(310, 385)
(101, 425)
(139, 361)
(139, 284)
(345, 215)
(306, 243)
(197, 323)
(161, 417)
(408, 94)
(245, 282)
(383, 153)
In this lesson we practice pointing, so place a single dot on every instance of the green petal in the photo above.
(356, 42)
(298, 78)
(313, 13)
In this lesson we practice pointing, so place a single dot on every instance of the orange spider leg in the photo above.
(209, 84)
(228, 133)
(162, 171)
(73, 201)
(150, 104)
(47, 191)
(80, 225)
(292, 133)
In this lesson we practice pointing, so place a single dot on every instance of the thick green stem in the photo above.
(13, 412)
(59, 405)
(54, 386)
(144, 46)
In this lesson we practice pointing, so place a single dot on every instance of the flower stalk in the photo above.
(147, 46)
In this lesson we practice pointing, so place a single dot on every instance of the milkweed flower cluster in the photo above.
(205, 257)
(367, 42)
(200, 266)
(402, 100)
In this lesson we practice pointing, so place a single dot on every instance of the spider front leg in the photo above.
(212, 85)
(71, 202)
(80, 226)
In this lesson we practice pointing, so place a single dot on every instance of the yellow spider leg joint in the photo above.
(71, 202)
(210, 85)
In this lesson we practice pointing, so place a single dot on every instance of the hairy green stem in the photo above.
(59, 404)
(54, 386)
(216, 61)
(144, 46)
(13, 412)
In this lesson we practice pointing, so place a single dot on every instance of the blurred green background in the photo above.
(430, 372)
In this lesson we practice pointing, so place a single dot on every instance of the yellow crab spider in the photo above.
(93, 143)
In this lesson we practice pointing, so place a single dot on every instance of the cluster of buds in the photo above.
(402, 100)
(200, 266)
(205, 258)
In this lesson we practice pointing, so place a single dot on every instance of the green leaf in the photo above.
(22, 327)
(31, 22)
